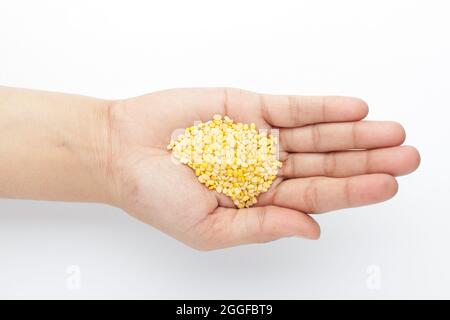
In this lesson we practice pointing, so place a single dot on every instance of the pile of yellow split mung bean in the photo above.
(230, 158)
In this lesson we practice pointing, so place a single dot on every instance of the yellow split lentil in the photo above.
(231, 158)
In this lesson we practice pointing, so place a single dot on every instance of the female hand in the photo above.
(331, 160)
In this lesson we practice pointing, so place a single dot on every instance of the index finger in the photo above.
(297, 111)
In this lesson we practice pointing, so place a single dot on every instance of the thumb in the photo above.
(227, 227)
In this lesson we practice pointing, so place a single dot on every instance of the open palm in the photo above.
(331, 160)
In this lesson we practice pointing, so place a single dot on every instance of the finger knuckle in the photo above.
(311, 198)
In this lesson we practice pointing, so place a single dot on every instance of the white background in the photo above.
(394, 54)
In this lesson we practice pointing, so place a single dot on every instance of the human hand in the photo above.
(331, 160)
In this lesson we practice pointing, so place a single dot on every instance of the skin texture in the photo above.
(67, 147)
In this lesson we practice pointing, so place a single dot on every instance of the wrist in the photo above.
(98, 151)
